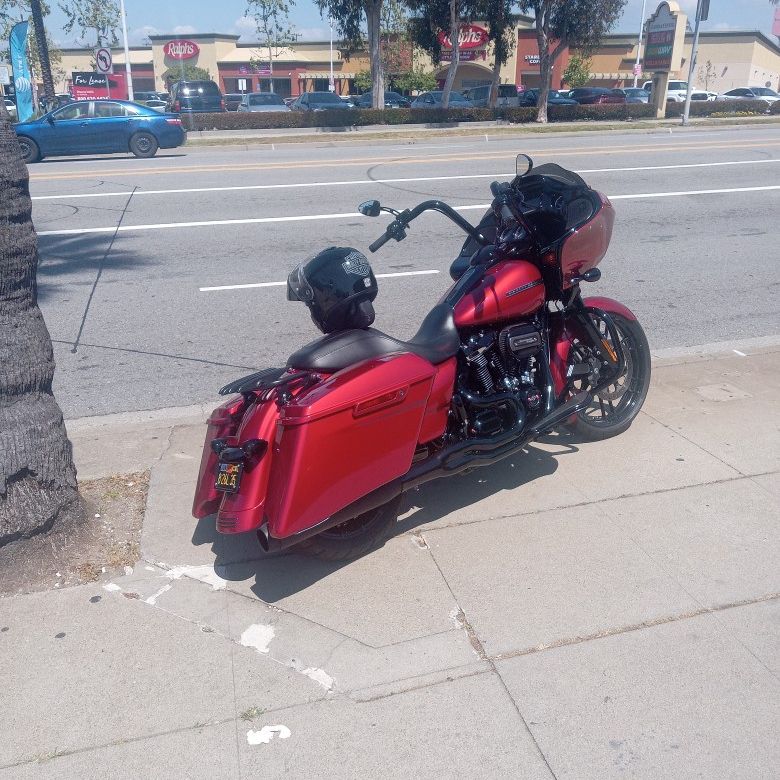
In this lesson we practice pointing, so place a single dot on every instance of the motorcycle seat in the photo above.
(437, 340)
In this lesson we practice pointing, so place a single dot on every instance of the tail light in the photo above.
(176, 106)
(176, 121)
(602, 99)
(221, 105)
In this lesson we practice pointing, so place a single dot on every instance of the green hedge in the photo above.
(718, 108)
(403, 116)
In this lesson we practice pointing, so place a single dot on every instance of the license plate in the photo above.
(228, 477)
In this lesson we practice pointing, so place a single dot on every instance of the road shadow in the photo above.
(71, 255)
(101, 158)
(240, 558)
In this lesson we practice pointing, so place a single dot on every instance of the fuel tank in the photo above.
(512, 289)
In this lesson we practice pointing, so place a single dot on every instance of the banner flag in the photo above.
(21, 67)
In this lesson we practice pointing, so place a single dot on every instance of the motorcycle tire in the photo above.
(355, 537)
(615, 407)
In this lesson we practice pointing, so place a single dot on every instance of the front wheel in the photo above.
(355, 537)
(615, 406)
(143, 144)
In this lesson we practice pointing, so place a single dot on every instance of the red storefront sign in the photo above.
(470, 36)
(98, 86)
(181, 49)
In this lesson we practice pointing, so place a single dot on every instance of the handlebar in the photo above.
(379, 243)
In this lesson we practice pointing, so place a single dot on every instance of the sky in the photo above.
(180, 17)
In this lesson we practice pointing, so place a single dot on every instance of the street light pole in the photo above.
(702, 11)
(332, 85)
(128, 74)
(639, 46)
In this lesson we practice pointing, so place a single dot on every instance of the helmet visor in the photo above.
(298, 288)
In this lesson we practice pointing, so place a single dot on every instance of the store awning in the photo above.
(336, 75)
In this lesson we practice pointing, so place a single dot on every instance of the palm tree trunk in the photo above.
(37, 475)
(43, 51)
(373, 9)
(455, 41)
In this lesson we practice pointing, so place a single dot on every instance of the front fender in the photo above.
(610, 306)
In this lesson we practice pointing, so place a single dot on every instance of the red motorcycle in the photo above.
(318, 454)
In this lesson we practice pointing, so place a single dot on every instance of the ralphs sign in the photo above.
(181, 50)
(469, 37)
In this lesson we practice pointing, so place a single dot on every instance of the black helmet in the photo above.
(338, 286)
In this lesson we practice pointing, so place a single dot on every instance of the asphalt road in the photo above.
(133, 327)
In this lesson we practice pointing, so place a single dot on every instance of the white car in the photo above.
(675, 92)
(751, 93)
(10, 107)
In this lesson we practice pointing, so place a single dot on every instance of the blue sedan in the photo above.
(99, 127)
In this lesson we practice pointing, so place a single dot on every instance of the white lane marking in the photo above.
(282, 284)
(358, 182)
(353, 214)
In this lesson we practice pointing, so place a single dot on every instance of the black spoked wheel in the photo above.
(355, 537)
(143, 144)
(30, 151)
(615, 406)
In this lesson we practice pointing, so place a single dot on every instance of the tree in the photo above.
(416, 80)
(501, 32)
(363, 81)
(13, 11)
(396, 46)
(41, 43)
(185, 72)
(567, 23)
(272, 18)
(348, 16)
(707, 73)
(98, 16)
(37, 475)
(577, 73)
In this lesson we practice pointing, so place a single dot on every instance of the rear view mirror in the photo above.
(370, 208)
(523, 164)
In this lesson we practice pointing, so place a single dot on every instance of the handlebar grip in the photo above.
(495, 188)
(379, 243)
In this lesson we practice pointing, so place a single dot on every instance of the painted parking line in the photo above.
(282, 284)
(353, 214)
(406, 180)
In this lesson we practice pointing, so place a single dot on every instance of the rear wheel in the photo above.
(30, 151)
(143, 144)
(355, 537)
(615, 406)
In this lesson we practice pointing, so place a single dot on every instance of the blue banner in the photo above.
(22, 78)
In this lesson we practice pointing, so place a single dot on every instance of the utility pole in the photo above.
(702, 12)
(639, 46)
(331, 84)
(128, 74)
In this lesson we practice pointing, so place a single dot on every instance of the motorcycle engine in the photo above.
(501, 388)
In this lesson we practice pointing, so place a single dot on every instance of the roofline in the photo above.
(193, 36)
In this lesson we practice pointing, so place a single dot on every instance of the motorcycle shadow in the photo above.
(240, 558)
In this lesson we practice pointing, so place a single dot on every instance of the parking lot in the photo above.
(161, 279)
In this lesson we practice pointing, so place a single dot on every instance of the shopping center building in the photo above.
(726, 60)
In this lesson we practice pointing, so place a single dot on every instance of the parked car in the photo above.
(261, 101)
(433, 100)
(156, 104)
(233, 101)
(676, 91)
(554, 98)
(635, 95)
(195, 97)
(99, 127)
(392, 100)
(703, 94)
(319, 101)
(480, 96)
(10, 107)
(751, 93)
(145, 97)
(590, 95)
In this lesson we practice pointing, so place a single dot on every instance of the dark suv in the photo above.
(195, 97)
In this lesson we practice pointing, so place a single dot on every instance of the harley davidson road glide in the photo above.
(318, 454)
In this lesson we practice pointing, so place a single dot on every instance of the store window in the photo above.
(234, 86)
(282, 87)
(321, 85)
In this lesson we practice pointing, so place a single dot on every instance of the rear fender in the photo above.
(243, 511)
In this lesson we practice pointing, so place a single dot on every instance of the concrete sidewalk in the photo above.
(583, 611)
